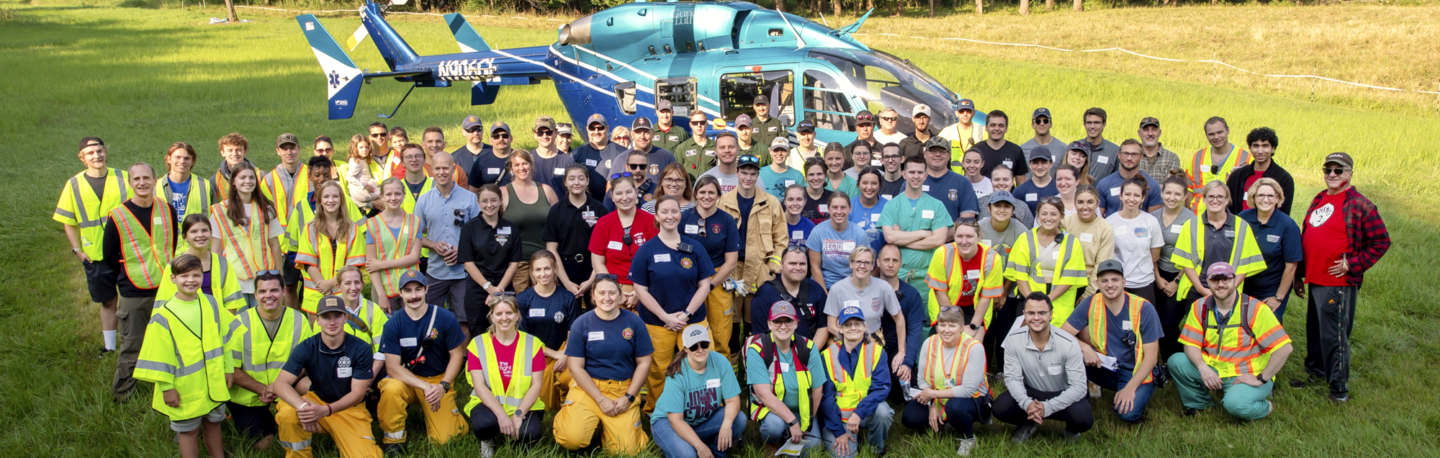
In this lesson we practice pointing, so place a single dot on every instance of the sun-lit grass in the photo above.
(144, 78)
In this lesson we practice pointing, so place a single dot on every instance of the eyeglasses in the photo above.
(597, 128)
(861, 263)
(1094, 123)
(500, 137)
(636, 166)
(698, 346)
(621, 138)
(618, 175)
(892, 156)
(1215, 198)
(1266, 196)
(544, 133)
(1334, 170)
(673, 180)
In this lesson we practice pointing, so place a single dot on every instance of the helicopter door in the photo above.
(829, 106)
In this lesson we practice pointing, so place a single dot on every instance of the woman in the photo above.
(1066, 183)
(1049, 261)
(674, 182)
(1097, 238)
(366, 319)
(568, 228)
(779, 175)
(217, 280)
(490, 250)
(831, 242)
(798, 226)
(609, 356)
(504, 365)
(1174, 192)
(1003, 179)
(972, 163)
(327, 244)
(865, 208)
(699, 413)
(249, 234)
(1215, 232)
(621, 136)
(1137, 239)
(862, 288)
(719, 233)
(1279, 239)
(860, 159)
(848, 386)
(1080, 161)
(546, 312)
(671, 273)
(835, 177)
(618, 235)
(362, 184)
(953, 388)
(786, 378)
(1000, 229)
(968, 277)
(817, 192)
(392, 244)
(802, 153)
(528, 217)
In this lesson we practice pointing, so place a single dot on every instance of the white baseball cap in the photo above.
(694, 334)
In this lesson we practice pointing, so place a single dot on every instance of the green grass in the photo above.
(142, 79)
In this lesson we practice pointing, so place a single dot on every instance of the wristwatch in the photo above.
(794, 422)
(445, 385)
(1262, 379)
(631, 397)
(487, 285)
(973, 326)
(687, 313)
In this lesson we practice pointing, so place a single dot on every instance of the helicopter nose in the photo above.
(576, 33)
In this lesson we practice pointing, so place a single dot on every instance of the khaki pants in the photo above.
(720, 314)
(134, 316)
(553, 385)
(580, 415)
(522, 277)
(350, 428)
(395, 396)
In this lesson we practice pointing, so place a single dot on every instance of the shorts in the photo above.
(289, 273)
(216, 416)
(255, 422)
(101, 280)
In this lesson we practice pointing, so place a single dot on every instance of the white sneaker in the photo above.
(966, 445)
(487, 449)
(1094, 391)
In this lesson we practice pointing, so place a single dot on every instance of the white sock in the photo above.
(109, 339)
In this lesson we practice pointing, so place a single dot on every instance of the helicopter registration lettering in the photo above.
(684, 17)
(468, 69)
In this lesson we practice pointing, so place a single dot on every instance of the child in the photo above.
(363, 188)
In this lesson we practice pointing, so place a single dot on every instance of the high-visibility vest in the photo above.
(262, 357)
(300, 217)
(765, 346)
(197, 200)
(521, 371)
(145, 254)
(315, 251)
(1099, 328)
(248, 247)
(194, 365)
(1190, 251)
(79, 207)
(1023, 264)
(850, 388)
(273, 186)
(367, 323)
(410, 197)
(988, 282)
(220, 186)
(941, 375)
(1199, 173)
(1241, 345)
(390, 246)
(223, 284)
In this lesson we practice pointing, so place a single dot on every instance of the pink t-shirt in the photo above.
(504, 354)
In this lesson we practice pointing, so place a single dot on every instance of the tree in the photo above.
(1024, 7)
(230, 12)
(979, 6)
(1079, 5)
(1049, 5)
(932, 8)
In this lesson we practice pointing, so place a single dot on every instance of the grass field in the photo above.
(143, 78)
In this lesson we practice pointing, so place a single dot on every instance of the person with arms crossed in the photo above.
(917, 223)
(139, 242)
(609, 356)
(424, 349)
(271, 331)
(1125, 329)
(699, 413)
(504, 363)
(335, 378)
(85, 200)
(953, 389)
(1254, 345)
(786, 377)
(1044, 376)
(763, 233)
(857, 383)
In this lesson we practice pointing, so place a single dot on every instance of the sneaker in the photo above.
(1094, 391)
(105, 352)
(1189, 412)
(1072, 438)
(1023, 432)
(1339, 398)
(966, 445)
(392, 449)
(487, 449)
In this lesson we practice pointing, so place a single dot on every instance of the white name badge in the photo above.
(559, 170)
(1009, 164)
(1174, 228)
(874, 217)
(852, 303)
(1230, 234)
(1031, 197)
(797, 235)
(1055, 254)
(972, 274)
(1087, 237)
(1125, 325)
(874, 162)
(591, 163)
(770, 129)
(492, 171)
(157, 220)
(925, 188)
(847, 246)
(690, 153)
(824, 208)
(986, 242)
(888, 196)
(789, 183)
(596, 335)
(692, 229)
(1115, 192)
(1054, 370)
(343, 372)
(1245, 196)
(1103, 159)
(503, 231)
(709, 152)
(664, 257)
(614, 245)
(407, 342)
(1273, 238)
(712, 383)
(927, 214)
(784, 367)
(537, 313)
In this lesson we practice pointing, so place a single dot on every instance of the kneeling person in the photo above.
(337, 366)
(1125, 330)
(785, 375)
(505, 365)
(1044, 375)
(952, 365)
(699, 412)
(271, 331)
(424, 348)
(855, 394)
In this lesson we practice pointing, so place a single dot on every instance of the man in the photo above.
(946, 186)
(1120, 337)
(382, 153)
(1338, 251)
(599, 153)
(291, 177)
(433, 141)
(1239, 355)
(550, 162)
(762, 228)
(865, 135)
(889, 127)
(643, 141)
(914, 143)
(490, 168)
(1158, 161)
(270, 331)
(233, 149)
(1214, 162)
(1263, 142)
(84, 201)
(965, 133)
(892, 181)
(185, 192)
(416, 182)
(853, 398)
(744, 133)
(1041, 183)
(996, 150)
(1044, 376)
(806, 149)
(566, 142)
(697, 153)
(441, 212)
(668, 135)
(139, 242)
(424, 350)
(1102, 151)
(474, 146)
(727, 168)
(632, 162)
(912, 307)
(336, 365)
(766, 128)
(916, 222)
(1041, 122)
(1109, 187)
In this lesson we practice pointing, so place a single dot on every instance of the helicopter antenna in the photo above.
(792, 29)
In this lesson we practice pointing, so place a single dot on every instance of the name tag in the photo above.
(692, 229)
(407, 342)
(784, 367)
(1273, 238)
(1055, 254)
(712, 383)
(537, 313)
(852, 304)
(796, 235)
(1009, 164)
(492, 171)
(874, 217)
(1031, 197)
(1230, 234)
(770, 129)
(1055, 370)
(665, 257)
(1174, 228)
(927, 214)
(986, 242)
(614, 245)
(1087, 237)
(972, 274)
(709, 152)
(157, 220)
(874, 162)
(1103, 159)
(847, 246)
(1245, 195)
(789, 183)
(343, 372)
(888, 196)
(591, 163)
(596, 335)
(690, 153)
(925, 188)
(1115, 192)
(824, 208)
(503, 231)
(1125, 325)
(674, 138)
(559, 170)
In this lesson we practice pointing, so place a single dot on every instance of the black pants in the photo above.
(1146, 292)
(1172, 312)
(1329, 319)
(255, 422)
(1077, 417)
(960, 414)
(485, 426)
(1001, 320)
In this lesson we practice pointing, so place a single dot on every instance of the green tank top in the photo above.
(529, 221)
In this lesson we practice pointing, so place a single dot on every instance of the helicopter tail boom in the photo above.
(343, 78)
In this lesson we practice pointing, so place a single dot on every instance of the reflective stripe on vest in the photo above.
(1099, 326)
(204, 348)
(144, 258)
(264, 365)
(243, 248)
(92, 229)
(324, 258)
(1198, 172)
(1249, 343)
(940, 378)
(389, 247)
(1034, 256)
(850, 388)
(1196, 254)
(950, 282)
(803, 383)
(522, 371)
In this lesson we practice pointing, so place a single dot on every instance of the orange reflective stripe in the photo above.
(159, 253)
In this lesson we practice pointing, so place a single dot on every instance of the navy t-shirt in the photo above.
(954, 192)
(331, 370)
(811, 311)
(1117, 326)
(489, 169)
(1031, 194)
(609, 347)
(746, 204)
(718, 234)
(672, 275)
(405, 337)
(547, 318)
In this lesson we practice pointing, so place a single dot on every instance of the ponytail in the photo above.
(676, 364)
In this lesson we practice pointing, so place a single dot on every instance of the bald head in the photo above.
(443, 164)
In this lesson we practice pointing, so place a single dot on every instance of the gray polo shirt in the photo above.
(1103, 159)
(1059, 367)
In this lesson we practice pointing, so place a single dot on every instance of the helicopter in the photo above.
(711, 56)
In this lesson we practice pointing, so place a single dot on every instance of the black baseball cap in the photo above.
(1149, 121)
(805, 126)
(864, 117)
(90, 141)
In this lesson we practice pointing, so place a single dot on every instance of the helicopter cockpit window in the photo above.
(680, 91)
(826, 103)
(738, 91)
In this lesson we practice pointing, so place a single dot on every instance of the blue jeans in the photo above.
(1113, 380)
(673, 446)
(774, 431)
(876, 428)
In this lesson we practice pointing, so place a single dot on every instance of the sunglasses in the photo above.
(459, 217)
(1334, 170)
(500, 136)
(618, 175)
(599, 277)
(378, 135)
(698, 346)
(797, 249)
(474, 130)
(888, 118)
(697, 123)
(504, 293)
(636, 166)
(545, 133)
(1042, 120)
(597, 128)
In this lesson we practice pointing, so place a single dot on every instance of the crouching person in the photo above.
(337, 370)
(505, 365)
(952, 365)
(1044, 375)
(698, 414)
(855, 394)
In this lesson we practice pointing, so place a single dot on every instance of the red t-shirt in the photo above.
(970, 271)
(505, 354)
(1245, 199)
(1325, 241)
(608, 240)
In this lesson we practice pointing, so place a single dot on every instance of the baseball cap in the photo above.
(594, 118)
(90, 141)
(743, 120)
(805, 126)
(544, 121)
(1004, 196)
(779, 143)
(1338, 158)
(663, 105)
(286, 138)
(694, 334)
(749, 160)
(564, 129)
(1111, 265)
(640, 123)
(864, 117)
(1040, 153)
(965, 104)
(782, 309)
(1079, 145)
(762, 99)
(1042, 111)
(1149, 121)
(851, 312)
(1220, 269)
(937, 142)
(329, 304)
(471, 122)
(499, 126)
(411, 275)
(921, 109)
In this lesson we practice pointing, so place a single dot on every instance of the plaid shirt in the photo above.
(1159, 168)
(1369, 240)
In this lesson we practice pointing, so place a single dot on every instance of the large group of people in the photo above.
(949, 275)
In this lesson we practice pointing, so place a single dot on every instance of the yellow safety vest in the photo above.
(248, 247)
(390, 246)
(1199, 173)
(300, 217)
(274, 189)
(222, 282)
(989, 281)
(521, 374)
(777, 380)
(315, 251)
(80, 207)
(193, 365)
(1099, 326)
(1241, 345)
(367, 323)
(1190, 251)
(145, 254)
(410, 197)
(197, 200)
(851, 388)
(941, 375)
(1023, 264)
(262, 357)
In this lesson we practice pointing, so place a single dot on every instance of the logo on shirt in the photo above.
(1142, 233)
(639, 239)
(715, 228)
(875, 304)
(685, 262)
(502, 239)
(627, 333)
(342, 367)
(1321, 215)
(559, 317)
(433, 334)
(654, 169)
(954, 195)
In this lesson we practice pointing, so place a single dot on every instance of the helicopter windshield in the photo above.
(889, 81)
